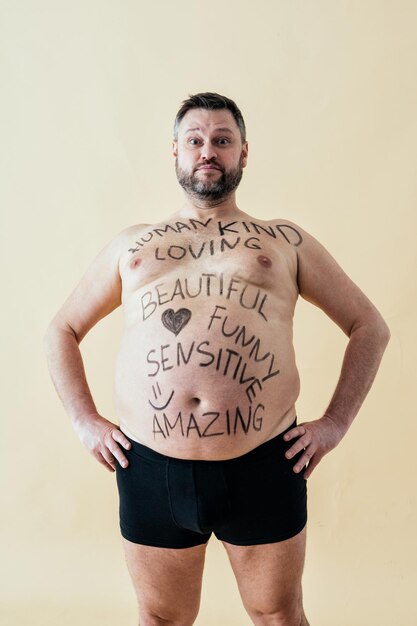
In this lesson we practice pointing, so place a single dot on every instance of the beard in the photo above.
(207, 188)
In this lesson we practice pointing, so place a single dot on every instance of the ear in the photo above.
(245, 150)
(175, 148)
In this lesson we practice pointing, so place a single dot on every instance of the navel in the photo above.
(264, 260)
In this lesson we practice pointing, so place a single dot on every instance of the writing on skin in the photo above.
(287, 232)
(210, 424)
(207, 284)
(228, 362)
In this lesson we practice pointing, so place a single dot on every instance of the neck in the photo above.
(202, 209)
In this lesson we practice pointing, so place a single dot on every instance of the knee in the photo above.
(153, 619)
(292, 614)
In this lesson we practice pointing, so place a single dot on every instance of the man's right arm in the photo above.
(97, 294)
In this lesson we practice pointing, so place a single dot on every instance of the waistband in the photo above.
(256, 453)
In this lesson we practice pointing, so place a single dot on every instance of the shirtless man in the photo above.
(206, 381)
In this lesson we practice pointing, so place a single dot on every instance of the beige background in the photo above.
(89, 94)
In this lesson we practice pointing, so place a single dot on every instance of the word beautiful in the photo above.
(287, 232)
(228, 423)
(213, 284)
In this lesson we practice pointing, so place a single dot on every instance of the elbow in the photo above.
(381, 330)
(374, 325)
(47, 338)
(53, 331)
(385, 333)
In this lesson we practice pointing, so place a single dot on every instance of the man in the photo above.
(206, 381)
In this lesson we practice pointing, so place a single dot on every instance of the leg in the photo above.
(167, 582)
(269, 580)
(164, 559)
(266, 537)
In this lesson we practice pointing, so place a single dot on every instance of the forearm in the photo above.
(361, 361)
(67, 371)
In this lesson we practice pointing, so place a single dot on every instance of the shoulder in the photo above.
(292, 233)
(301, 239)
(131, 231)
(127, 236)
(123, 244)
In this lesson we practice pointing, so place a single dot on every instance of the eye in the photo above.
(192, 139)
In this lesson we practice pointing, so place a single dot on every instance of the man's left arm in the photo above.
(322, 282)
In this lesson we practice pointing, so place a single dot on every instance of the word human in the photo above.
(214, 284)
(287, 232)
(210, 424)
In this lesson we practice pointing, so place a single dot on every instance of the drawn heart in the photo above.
(175, 322)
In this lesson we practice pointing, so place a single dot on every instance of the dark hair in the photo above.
(210, 101)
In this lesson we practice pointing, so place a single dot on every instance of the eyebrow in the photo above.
(224, 130)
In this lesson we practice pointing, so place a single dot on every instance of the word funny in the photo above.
(227, 361)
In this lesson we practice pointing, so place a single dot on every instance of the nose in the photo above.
(208, 152)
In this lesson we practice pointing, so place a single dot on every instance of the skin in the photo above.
(148, 374)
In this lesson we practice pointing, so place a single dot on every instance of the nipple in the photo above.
(135, 262)
(264, 260)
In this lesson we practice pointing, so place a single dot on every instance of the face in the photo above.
(210, 156)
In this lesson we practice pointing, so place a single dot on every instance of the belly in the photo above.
(206, 381)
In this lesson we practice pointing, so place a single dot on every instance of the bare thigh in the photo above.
(167, 581)
(269, 575)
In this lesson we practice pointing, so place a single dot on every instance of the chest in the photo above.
(250, 256)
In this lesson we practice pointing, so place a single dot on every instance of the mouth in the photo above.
(208, 167)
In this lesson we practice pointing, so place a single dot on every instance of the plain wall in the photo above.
(90, 90)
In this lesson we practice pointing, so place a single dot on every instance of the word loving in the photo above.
(289, 233)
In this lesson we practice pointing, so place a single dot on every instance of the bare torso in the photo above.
(206, 367)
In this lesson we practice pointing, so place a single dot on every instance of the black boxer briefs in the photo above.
(177, 503)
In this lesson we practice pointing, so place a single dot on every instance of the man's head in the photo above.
(209, 130)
